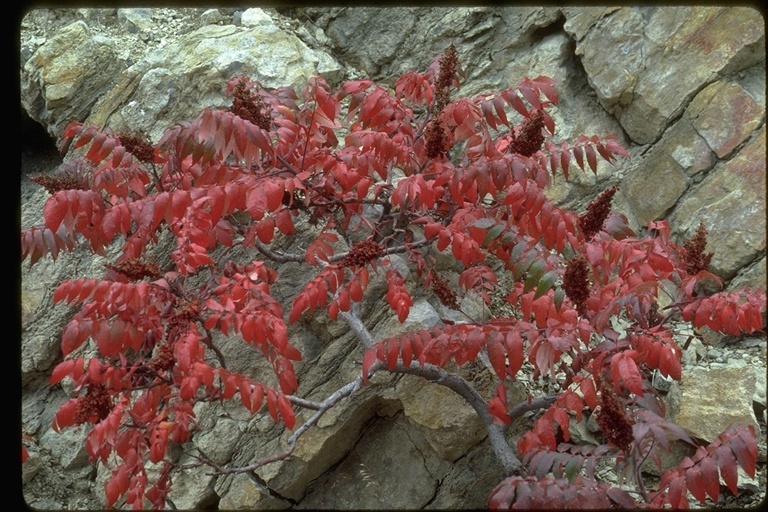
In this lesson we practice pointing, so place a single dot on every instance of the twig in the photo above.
(278, 257)
(510, 464)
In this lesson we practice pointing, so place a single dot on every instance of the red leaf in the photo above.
(591, 157)
(497, 356)
(392, 351)
(562, 419)
(286, 411)
(710, 478)
(369, 358)
(406, 351)
(728, 468)
(669, 363)
(587, 387)
(695, 484)
(284, 222)
(515, 352)
(744, 448)
(499, 412)
(272, 404)
(65, 416)
(257, 398)
(74, 335)
(676, 494)
(624, 370)
(265, 229)
(159, 441)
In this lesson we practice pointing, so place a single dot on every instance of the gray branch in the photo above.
(510, 464)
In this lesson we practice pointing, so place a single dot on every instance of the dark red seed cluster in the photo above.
(138, 145)
(449, 65)
(613, 421)
(135, 269)
(446, 78)
(163, 360)
(71, 175)
(54, 183)
(94, 406)
(249, 106)
(179, 322)
(597, 211)
(435, 138)
(693, 254)
(576, 283)
(361, 253)
(444, 292)
(530, 136)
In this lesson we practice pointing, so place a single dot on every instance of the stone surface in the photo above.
(64, 78)
(642, 190)
(245, 493)
(702, 394)
(727, 117)
(633, 54)
(661, 78)
(730, 201)
(448, 422)
(388, 468)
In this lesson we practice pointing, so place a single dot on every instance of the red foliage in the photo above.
(416, 171)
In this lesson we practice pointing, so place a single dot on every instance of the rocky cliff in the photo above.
(682, 87)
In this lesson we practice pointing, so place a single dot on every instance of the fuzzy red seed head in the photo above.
(361, 253)
(597, 211)
(71, 175)
(576, 283)
(435, 138)
(164, 359)
(249, 106)
(613, 421)
(693, 254)
(529, 137)
(135, 269)
(444, 292)
(139, 146)
(94, 406)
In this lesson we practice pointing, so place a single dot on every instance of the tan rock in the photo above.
(711, 399)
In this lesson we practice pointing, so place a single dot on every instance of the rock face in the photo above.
(67, 75)
(682, 87)
(702, 393)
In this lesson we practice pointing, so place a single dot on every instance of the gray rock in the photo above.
(175, 82)
(730, 201)
(388, 456)
(711, 399)
(246, 493)
(66, 76)
(662, 79)
(631, 61)
(448, 422)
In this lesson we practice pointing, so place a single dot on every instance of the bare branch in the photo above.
(322, 408)
(352, 318)
(532, 405)
(510, 464)
(279, 257)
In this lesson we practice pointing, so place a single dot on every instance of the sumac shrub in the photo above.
(377, 172)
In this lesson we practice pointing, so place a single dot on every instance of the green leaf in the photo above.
(559, 298)
(523, 266)
(484, 223)
(517, 252)
(546, 282)
(573, 468)
(535, 272)
(493, 233)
